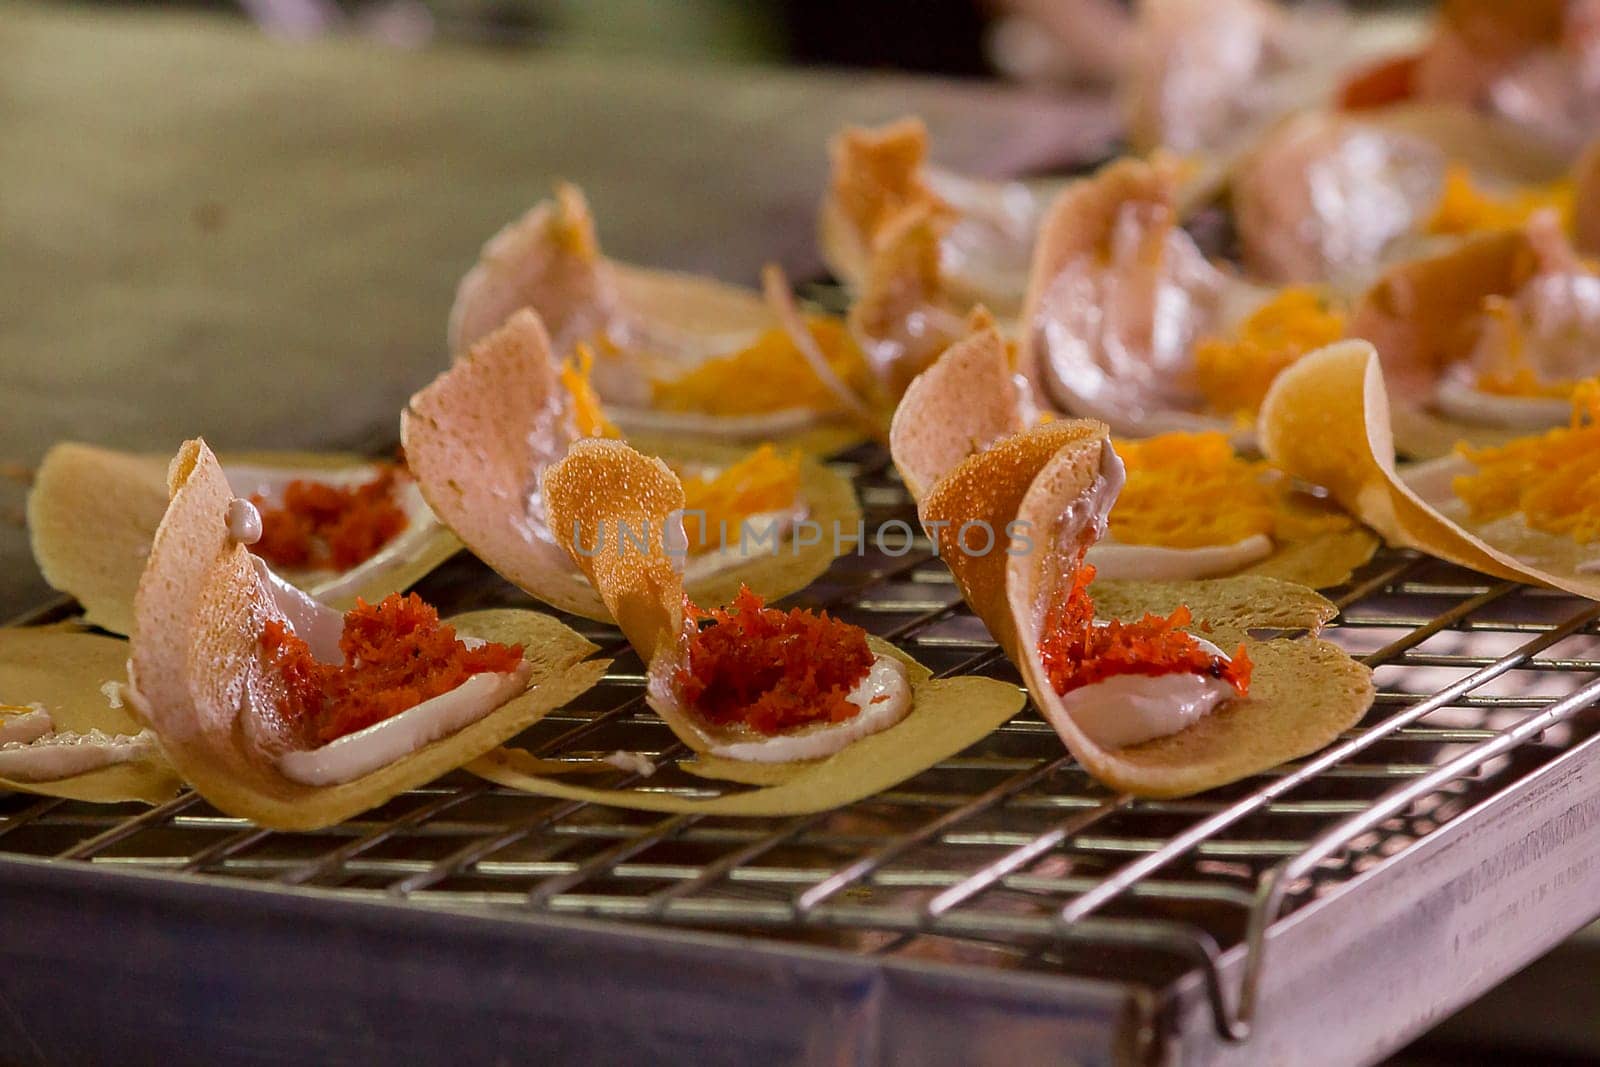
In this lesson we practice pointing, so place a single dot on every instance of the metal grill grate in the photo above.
(1007, 856)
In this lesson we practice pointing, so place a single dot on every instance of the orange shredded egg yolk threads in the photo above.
(1076, 652)
(321, 527)
(769, 375)
(587, 411)
(771, 670)
(1464, 208)
(1192, 490)
(1235, 374)
(1553, 479)
(397, 654)
(716, 505)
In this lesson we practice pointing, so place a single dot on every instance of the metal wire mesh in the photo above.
(1007, 855)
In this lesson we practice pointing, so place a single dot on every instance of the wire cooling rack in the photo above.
(1005, 858)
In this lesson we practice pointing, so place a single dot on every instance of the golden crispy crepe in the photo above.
(92, 513)
(876, 174)
(66, 670)
(966, 401)
(970, 399)
(1327, 419)
(1304, 693)
(881, 173)
(199, 680)
(1425, 316)
(604, 484)
(480, 435)
(1328, 197)
(905, 316)
(906, 313)
(1118, 298)
(644, 326)
(550, 260)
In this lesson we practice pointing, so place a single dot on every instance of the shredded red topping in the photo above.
(396, 655)
(320, 526)
(1077, 653)
(772, 670)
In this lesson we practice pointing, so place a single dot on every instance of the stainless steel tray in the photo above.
(1000, 906)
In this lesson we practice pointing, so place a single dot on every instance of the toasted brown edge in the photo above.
(989, 488)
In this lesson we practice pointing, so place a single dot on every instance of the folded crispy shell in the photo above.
(906, 313)
(199, 681)
(480, 435)
(1418, 312)
(66, 669)
(876, 173)
(644, 324)
(1421, 316)
(1097, 337)
(1306, 690)
(970, 399)
(1418, 316)
(988, 488)
(962, 404)
(597, 490)
(477, 438)
(1327, 419)
(603, 485)
(549, 259)
(92, 513)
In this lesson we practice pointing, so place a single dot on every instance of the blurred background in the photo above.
(962, 38)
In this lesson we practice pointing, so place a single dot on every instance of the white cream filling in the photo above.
(271, 482)
(884, 697)
(1113, 559)
(25, 726)
(382, 743)
(1127, 709)
(32, 750)
(1460, 399)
